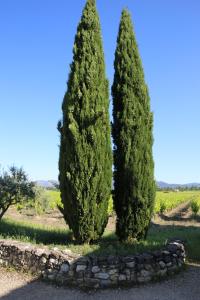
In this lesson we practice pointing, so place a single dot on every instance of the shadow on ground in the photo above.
(157, 236)
(182, 213)
(183, 286)
(9, 229)
(179, 217)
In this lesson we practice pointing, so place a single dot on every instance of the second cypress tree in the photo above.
(85, 162)
(134, 186)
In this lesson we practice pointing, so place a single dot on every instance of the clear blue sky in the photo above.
(36, 40)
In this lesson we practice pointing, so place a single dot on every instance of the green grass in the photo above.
(190, 234)
(172, 199)
(157, 236)
(33, 233)
(108, 245)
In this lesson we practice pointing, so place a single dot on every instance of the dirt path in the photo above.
(184, 286)
(181, 211)
(180, 215)
(52, 219)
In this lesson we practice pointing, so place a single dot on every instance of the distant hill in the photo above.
(161, 184)
(165, 185)
(48, 184)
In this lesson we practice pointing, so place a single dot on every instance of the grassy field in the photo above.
(62, 238)
(168, 200)
(157, 236)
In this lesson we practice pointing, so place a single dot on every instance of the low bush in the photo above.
(163, 207)
(195, 206)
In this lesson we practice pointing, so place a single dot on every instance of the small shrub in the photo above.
(195, 207)
(54, 199)
(163, 207)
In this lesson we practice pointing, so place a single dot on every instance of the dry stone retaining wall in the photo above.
(66, 268)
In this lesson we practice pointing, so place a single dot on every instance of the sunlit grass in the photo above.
(108, 245)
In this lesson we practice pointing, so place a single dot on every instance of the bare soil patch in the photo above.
(181, 215)
(54, 218)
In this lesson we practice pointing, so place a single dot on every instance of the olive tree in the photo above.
(14, 188)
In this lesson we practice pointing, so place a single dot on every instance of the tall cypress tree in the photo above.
(85, 162)
(134, 186)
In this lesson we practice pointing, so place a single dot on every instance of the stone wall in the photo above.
(66, 268)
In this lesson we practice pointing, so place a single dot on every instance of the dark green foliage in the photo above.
(195, 207)
(14, 189)
(85, 151)
(132, 133)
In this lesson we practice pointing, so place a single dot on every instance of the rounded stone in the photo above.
(43, 260)
(130, 264)
(122, 277)
(95, 269)
(64, 268)
(81, 268)
(162, 264)
(102, 275)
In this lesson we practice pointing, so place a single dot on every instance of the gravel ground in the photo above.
(184, 286)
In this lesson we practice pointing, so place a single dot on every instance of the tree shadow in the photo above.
(180, 216)
(181, 286)
(109, 245)
(157, 236)
(39, 290)
(24, 232)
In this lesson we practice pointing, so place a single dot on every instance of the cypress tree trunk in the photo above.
(85, 162)
(132, 133)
